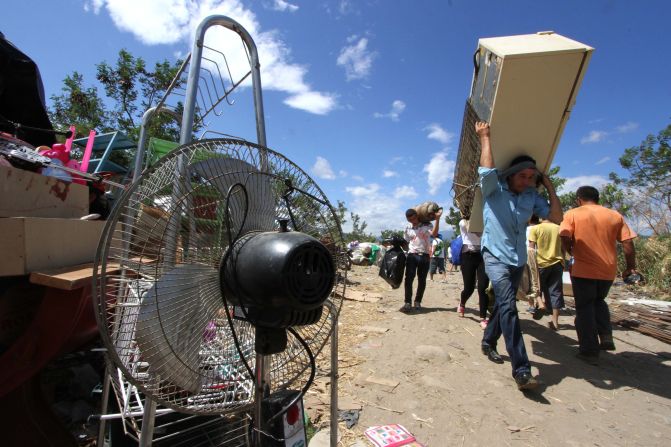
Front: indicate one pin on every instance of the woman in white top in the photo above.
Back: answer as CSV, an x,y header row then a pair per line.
x,y
472,269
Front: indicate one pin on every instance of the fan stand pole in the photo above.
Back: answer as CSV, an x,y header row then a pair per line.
x,y
334,382
262,378
148,419
103,406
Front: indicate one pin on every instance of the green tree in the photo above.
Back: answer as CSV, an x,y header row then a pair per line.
x,y
567,199
133,89
340,211
79,106
359,226
359,229
611,196
130,89
452,218
649,180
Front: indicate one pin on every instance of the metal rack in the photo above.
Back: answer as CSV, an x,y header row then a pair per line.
x,y
204,83
468,158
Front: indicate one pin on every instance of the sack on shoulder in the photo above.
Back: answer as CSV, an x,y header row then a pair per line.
x,y
426,212
393,267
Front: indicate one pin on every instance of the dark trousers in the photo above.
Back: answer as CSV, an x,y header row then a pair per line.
x,y
552,285
472,268
416,265
504,319
592,317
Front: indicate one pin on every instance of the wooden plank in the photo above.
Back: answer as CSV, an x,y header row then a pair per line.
x,y
68,278
76,276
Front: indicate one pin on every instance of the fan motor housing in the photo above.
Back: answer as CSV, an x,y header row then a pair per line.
x,y
283,278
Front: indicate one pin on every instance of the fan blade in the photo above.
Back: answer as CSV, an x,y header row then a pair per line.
x,y
259,211
172,322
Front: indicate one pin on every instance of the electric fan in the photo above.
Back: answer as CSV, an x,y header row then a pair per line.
x,y
219,277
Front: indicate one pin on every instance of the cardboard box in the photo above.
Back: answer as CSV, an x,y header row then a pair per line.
x,y
29,244
26,194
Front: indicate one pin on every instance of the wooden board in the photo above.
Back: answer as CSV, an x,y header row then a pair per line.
x,y
74,277
68,278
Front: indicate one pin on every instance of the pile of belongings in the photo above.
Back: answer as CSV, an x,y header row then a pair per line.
x,y
366,253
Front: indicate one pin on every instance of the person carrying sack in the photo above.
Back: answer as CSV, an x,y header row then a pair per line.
x,y
418,235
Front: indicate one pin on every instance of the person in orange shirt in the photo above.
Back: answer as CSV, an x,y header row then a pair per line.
x,y
589,233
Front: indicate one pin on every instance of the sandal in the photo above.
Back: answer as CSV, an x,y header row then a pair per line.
x,y
552,326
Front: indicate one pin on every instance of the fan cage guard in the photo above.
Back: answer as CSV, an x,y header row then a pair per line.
x,y
159,304
173,428
468,159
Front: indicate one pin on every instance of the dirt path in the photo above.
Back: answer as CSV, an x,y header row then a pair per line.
x,y
425,371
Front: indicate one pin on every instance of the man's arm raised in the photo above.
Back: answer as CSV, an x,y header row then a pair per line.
x,y
556,215
486,158
434,232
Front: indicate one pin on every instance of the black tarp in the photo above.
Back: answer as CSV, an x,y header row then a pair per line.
x,y
22,96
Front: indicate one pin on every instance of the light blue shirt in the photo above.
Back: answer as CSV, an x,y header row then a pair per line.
x,y
505,215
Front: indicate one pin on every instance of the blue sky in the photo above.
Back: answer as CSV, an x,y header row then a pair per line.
x,y
368,96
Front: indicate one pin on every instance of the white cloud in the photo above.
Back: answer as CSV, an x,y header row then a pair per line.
x,y
380,211
573,183
281,5
436,132
315,102
358,178
363,191
439,169
602,161
322,169
387,173
405,192
356,59
345,7
594,136
629,126
175,21
93,6
397,107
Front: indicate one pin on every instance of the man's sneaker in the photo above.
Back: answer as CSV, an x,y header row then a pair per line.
x,y
591,359
406,308
525,381
461,310
607,343
418,306
483,323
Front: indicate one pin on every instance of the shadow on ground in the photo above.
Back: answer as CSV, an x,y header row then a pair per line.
x,y
641,370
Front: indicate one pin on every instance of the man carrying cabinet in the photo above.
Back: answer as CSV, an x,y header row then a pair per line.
x,y
510,198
